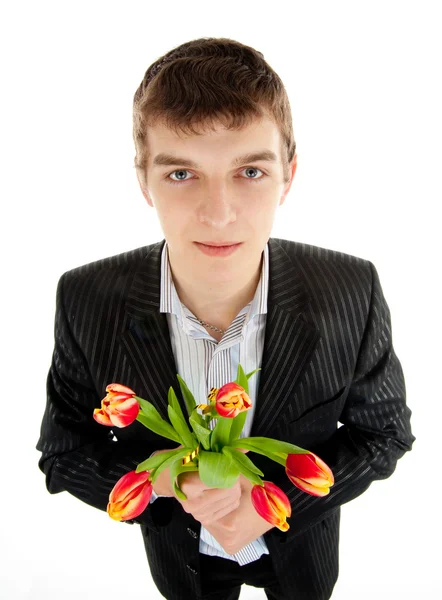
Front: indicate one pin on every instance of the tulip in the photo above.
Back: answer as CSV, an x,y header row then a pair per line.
x,y
119,408
232,399
130,496
309,473
272,504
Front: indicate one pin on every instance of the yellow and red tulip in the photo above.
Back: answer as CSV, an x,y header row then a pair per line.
x,y
232,399
119,408
130,496
309,473
272,504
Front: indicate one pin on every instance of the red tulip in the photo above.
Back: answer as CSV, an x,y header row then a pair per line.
x,y
232,399
119,408
130,496
309,473
272,504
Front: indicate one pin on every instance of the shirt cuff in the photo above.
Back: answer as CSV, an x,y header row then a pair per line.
x,y
154,496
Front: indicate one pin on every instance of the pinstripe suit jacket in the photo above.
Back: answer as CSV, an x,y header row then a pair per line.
x,y
330,382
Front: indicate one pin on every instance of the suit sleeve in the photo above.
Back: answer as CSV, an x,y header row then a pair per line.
x,y
78,454
375,429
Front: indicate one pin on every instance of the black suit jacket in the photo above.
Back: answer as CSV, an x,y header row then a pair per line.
x,y
330,382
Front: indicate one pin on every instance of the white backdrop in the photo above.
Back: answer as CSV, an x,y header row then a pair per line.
x,y
364,84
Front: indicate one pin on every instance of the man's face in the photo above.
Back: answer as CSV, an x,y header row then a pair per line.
x,y
205,195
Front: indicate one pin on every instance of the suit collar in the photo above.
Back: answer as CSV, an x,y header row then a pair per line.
x,y
289,339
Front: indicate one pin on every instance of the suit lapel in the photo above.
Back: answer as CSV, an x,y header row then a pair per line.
x,y
146,342
289,339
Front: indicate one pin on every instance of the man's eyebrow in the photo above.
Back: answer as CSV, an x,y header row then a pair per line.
x,y
166,160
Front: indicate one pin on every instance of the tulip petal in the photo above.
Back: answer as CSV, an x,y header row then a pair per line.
x,y
129,509
127,484
309,467
130,496
117,387
232,399
226,410
124,413
101,417
278,497
272,504
325,469
313,490
309,473
228,388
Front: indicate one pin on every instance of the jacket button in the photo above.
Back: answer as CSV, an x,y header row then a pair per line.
x,y
192,533
192,569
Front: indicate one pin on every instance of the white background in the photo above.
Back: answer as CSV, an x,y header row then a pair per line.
x,y
364,84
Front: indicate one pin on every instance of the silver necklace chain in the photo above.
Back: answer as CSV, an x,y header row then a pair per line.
x,y
211,326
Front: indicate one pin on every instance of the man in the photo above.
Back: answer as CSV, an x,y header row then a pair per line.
x,y
217,292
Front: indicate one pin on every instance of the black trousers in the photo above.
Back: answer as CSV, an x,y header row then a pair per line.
x,y
221,578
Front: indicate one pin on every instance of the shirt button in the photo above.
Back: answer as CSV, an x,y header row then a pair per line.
x,y
192,533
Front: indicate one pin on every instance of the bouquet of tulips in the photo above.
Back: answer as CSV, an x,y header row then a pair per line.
x,y
214,453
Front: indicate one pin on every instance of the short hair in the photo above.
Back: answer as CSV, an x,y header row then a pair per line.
x,y
207,81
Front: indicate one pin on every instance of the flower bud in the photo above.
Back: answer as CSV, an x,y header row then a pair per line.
x,y
130,496
272,504
232,399
309,473
119,408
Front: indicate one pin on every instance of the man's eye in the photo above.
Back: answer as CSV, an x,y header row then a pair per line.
x,y
254,169
181,172
182,177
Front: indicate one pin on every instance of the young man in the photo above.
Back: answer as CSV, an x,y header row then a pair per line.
x,y
215,158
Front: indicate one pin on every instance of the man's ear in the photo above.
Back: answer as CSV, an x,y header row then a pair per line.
x,y
143,186
293,166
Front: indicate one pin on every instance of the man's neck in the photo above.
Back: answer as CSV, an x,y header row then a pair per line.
x,y
216,305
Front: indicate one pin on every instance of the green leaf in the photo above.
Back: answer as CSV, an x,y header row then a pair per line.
x,y
153,421
221,433
217,470
187,395
242,458
252,373
273,449
201,430
276,446
155,461
180,427
240,419
244,464
175,471
237,426
241,379
173,401
177,456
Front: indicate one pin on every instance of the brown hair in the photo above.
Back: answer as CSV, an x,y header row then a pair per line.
x,y
205,81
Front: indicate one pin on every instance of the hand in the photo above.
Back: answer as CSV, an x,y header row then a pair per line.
x,y
203,503
163,485
240,527
207,505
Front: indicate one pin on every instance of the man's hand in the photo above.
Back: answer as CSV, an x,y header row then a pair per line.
x,y
207,505
240,527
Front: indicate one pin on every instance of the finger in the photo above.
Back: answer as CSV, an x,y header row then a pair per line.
x,y
224,495
219,514
205,508
216,515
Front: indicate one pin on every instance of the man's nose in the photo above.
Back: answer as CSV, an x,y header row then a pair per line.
x,y
216,209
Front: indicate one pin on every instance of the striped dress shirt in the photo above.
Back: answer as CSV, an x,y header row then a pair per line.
x,y
197,353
